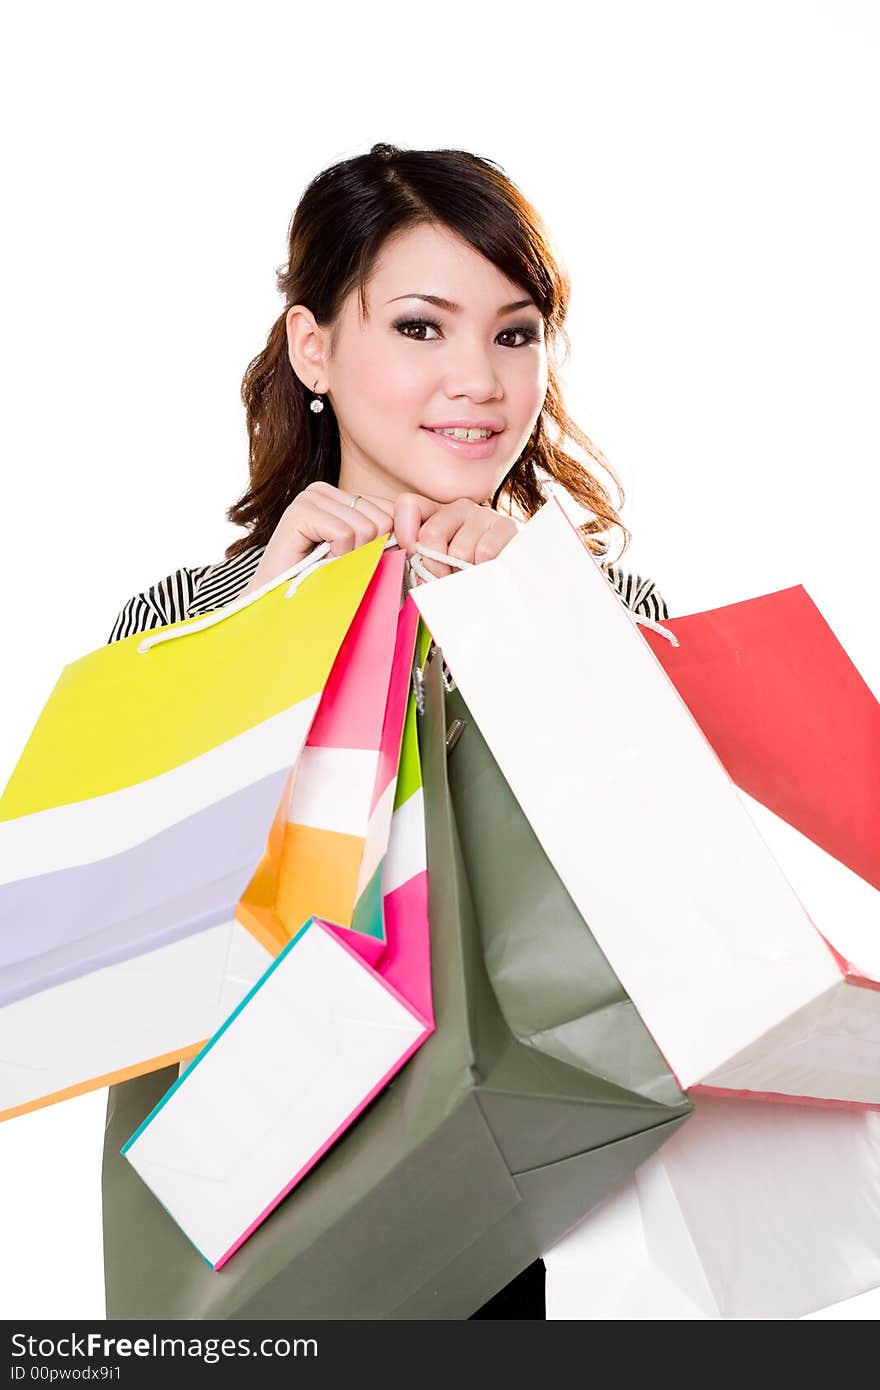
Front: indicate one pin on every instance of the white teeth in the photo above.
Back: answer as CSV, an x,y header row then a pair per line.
x,y
465,434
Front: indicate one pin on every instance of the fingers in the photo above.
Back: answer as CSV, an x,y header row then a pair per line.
x,y
346,527
381,505
482,535
453,529
322,512
329,515
386,503
381,517
470,540
379,510
316,515
411,511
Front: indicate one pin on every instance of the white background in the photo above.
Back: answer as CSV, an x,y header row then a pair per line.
x,y
708,174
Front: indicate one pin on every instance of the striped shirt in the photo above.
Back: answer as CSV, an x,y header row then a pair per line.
x,y
191,591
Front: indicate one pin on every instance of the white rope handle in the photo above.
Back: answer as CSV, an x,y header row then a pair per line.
x,y
295,574
219,615
440,557
657,627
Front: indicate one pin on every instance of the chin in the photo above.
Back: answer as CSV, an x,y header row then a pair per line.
x,y
450,489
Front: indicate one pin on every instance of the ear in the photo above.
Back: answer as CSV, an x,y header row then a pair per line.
x,y
306,346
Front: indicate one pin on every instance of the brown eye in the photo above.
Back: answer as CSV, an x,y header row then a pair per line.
x,y
403,324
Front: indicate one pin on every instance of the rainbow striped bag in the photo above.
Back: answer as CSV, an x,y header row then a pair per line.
x,y
138,813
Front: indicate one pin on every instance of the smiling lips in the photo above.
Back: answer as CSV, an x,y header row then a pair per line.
x,y
464,434
490,425
460,441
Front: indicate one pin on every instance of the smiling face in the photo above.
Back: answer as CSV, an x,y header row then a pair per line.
x,y
411,364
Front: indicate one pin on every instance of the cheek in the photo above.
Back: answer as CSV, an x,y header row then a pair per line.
x,y
390,385
532,387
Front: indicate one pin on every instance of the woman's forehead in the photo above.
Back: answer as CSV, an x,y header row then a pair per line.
x,y
431,259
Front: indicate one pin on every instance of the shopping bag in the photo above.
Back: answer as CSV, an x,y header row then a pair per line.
x,y
798,730
133,822
315,1039
507,1125
658,848
324,852
752,1211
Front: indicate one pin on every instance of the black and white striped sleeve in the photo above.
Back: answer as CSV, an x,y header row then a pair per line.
x,y
222,582
167,601
640,595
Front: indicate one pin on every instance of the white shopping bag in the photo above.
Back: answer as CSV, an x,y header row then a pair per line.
x,y
750,1211
664,857
314,1041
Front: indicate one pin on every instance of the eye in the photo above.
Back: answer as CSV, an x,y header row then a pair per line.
x,y
402,324
528,332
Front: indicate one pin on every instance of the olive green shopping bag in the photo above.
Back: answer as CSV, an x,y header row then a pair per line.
x,y
538,1093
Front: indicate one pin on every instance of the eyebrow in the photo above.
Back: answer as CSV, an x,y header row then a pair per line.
x,y
454,308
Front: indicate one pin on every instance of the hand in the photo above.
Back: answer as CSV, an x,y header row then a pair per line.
x,y
321,512
463,529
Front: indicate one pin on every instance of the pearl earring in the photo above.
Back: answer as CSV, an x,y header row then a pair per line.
x,y
317,404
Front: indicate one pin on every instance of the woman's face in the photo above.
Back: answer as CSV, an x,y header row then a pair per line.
x,y
389,382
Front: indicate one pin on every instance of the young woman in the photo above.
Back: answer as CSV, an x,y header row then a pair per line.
x,y
409,386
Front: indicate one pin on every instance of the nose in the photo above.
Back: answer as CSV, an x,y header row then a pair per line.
x,y
474,373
